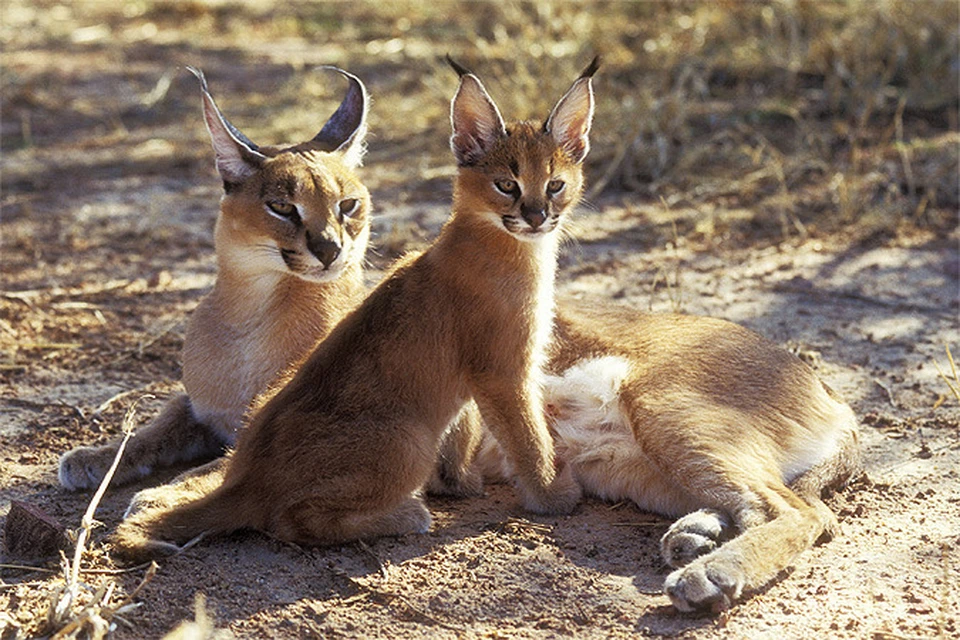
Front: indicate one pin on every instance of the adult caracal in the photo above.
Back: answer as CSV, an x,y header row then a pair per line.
x,y
290,242
699,418
343,450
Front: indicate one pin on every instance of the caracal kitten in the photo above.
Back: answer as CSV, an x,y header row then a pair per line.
x,y
344,449
290,243
700,418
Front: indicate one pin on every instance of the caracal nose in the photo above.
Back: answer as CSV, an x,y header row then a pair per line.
x,y
534,217
324,249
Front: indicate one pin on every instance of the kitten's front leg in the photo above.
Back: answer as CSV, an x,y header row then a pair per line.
x,y
517,420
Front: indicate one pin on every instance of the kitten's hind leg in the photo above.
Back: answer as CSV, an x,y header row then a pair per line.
x,y
311,525
173,436
694,535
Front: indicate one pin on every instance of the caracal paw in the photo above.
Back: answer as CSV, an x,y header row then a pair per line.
x,y
559,497
466,484
694,535
711,583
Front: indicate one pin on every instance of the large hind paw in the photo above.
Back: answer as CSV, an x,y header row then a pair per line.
x,y
695,534
711,583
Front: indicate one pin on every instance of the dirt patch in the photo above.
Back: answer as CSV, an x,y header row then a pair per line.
x,y
109,197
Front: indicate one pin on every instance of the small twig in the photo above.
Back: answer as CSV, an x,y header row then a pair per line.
x,y
24,567
366,548
87,523
14,585
889,391
954,385
106,404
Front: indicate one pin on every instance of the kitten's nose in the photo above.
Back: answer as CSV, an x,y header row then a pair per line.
x,y
324,249
534,216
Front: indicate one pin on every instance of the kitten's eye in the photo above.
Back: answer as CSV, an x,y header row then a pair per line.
x,y
555,186
348,206
284,209
506,187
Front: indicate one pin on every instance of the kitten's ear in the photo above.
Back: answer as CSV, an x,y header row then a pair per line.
x,y
237,157
476,120
346,129
569,123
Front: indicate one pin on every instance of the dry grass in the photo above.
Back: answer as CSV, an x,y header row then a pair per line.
x,y
814,115
953,380
769,120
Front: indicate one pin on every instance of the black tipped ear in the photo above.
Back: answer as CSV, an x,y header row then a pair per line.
x,y
591,68
570,121
459,68
346,129
237,157
477,124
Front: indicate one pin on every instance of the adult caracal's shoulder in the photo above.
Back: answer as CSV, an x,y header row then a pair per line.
x,y
290,243
344,449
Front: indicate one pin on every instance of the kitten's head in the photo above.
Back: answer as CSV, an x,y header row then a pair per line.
x,y
298,210
521,177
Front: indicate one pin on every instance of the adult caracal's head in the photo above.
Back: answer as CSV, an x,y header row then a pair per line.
x,y
520,177
297,210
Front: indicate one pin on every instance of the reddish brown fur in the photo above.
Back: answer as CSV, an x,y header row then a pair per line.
x,y
343,450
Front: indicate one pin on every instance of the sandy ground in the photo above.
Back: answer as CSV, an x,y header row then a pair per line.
x,y
872,315
107,246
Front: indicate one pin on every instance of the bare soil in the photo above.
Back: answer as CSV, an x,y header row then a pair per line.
x,y
108,208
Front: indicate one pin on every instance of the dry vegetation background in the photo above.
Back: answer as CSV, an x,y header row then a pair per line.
x,y
790,165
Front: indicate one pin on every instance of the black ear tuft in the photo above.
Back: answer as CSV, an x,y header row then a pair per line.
x,y
239,135
237,157
459,68
591,69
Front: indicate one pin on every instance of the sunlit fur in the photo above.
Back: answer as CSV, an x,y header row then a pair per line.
x,y
701,418
273,298
344,449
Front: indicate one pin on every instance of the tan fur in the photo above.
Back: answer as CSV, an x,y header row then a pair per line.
x,y
700,418
273,298
343,451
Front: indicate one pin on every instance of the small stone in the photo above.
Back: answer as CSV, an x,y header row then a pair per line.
x,y
32,534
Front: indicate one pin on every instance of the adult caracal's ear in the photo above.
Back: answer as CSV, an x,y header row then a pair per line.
x,y
569,123
237,157
476,120
347,127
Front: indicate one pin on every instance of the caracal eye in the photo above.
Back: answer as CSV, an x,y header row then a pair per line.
x,y
506,187
347,206
555,186
284,209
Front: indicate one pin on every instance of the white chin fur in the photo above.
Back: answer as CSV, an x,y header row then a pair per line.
x,y
526,235
319,274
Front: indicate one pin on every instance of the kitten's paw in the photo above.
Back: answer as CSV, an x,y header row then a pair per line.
x,y
467,484
130,545
711,583
695,534
559,497
85,467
